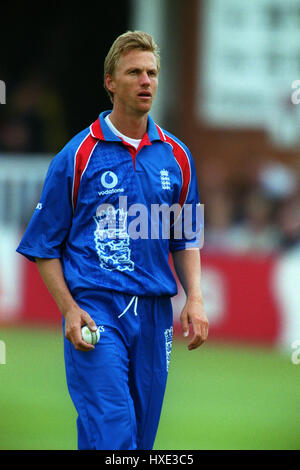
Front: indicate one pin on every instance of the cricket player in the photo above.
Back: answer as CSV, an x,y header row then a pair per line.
x,y
105,260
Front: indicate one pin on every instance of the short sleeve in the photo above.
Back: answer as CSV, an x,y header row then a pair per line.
x,y
49,226
187,231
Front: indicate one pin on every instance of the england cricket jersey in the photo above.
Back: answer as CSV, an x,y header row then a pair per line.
x,y
112,213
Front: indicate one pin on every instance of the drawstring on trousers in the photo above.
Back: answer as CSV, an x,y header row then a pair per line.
x,y
135,300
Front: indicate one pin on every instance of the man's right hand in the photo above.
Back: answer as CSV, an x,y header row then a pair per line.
x,y
74,320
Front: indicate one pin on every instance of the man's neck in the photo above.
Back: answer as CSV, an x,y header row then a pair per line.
x,y
130,125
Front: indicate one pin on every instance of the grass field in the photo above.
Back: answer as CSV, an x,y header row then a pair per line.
x,y
218,397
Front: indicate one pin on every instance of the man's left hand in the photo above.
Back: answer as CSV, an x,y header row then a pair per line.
x,y
194,313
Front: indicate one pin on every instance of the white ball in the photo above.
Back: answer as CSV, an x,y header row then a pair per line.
x,y
90,337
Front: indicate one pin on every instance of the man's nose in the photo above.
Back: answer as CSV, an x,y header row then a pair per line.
x,y
145,80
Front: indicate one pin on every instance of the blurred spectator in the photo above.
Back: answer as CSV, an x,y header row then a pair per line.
x,y
289,222
277,180
261,216
219,212
36,118
17,136
257,232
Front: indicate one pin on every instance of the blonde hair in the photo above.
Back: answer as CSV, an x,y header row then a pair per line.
x,y
126,42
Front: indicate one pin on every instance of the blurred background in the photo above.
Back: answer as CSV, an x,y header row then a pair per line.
x,y
228,88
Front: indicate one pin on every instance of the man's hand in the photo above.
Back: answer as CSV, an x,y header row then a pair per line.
x,y
52,275
74,320
194,313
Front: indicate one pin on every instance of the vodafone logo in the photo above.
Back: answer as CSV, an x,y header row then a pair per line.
x,y
109,179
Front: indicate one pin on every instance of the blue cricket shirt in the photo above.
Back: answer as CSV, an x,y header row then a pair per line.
x,y
99,211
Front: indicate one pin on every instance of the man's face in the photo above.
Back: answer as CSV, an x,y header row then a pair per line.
x,y
134,82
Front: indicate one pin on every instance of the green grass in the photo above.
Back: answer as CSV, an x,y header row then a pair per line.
x,y
229,397
217,397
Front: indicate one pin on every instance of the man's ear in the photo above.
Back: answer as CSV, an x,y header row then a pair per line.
x,y
109,83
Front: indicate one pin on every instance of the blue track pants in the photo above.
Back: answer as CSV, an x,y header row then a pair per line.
x,y
118,388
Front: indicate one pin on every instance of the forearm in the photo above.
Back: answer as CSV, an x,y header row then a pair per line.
x,y
188,269
187,264
52,275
